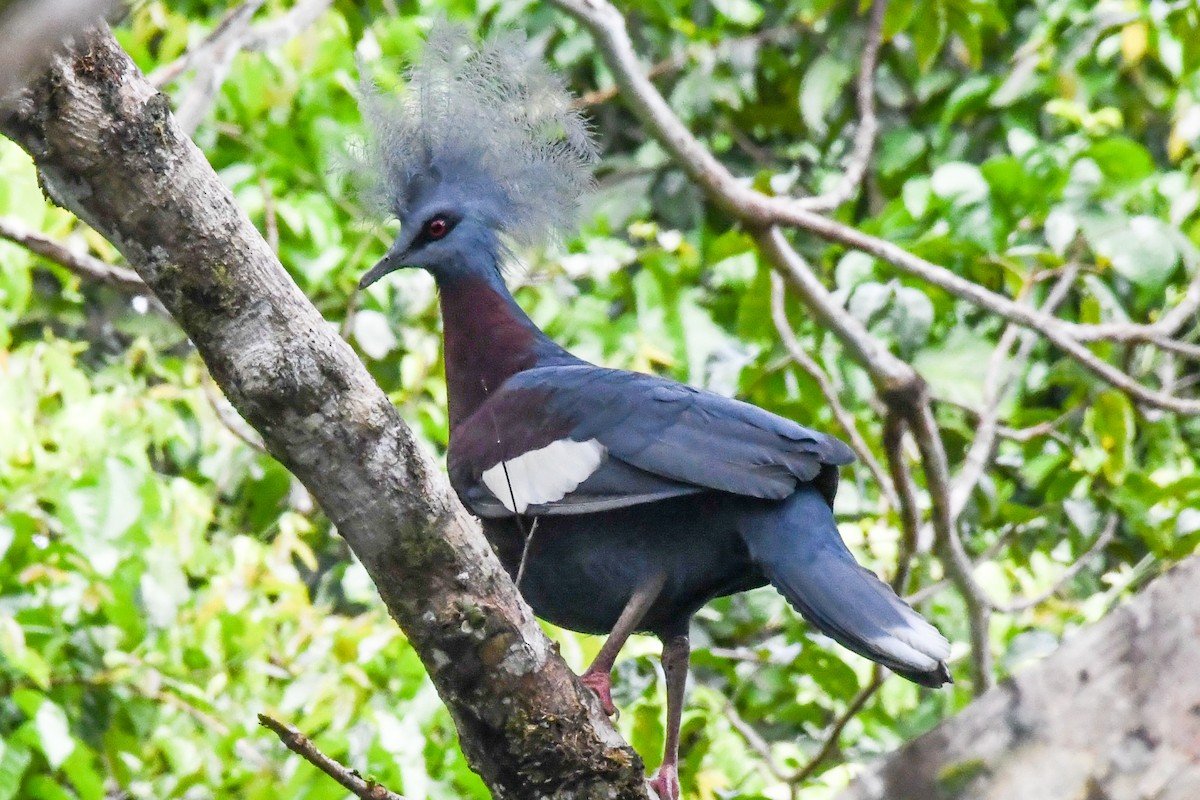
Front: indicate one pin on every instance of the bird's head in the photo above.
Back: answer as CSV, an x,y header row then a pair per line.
x,y
482,148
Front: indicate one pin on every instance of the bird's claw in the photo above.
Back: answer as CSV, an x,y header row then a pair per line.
x,y
666,783
601,684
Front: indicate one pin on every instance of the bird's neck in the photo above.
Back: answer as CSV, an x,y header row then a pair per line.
x,y
488,339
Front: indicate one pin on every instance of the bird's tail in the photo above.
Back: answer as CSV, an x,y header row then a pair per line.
x,y
797,545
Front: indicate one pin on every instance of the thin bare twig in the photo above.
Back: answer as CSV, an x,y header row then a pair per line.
x,y
679,59
596,97
1185,349
213,57
220,49
835,731
949,545
757,743
1002,373
1049,428
1102,541
272,33
828,743
228,416
256,38
926,592
868,123
840,413
302,746
906,492
84,265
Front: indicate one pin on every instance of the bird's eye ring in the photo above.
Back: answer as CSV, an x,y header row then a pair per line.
x,y
437,227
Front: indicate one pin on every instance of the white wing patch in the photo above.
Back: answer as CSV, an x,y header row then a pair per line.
x,y
544,475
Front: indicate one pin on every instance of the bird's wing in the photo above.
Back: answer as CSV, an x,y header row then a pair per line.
x,y
576,439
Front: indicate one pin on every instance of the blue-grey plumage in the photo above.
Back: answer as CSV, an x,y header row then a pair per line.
x,y
650,498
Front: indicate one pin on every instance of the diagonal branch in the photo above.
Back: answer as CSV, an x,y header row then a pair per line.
x,y
302,746
85,266
901,388
949,546
222,47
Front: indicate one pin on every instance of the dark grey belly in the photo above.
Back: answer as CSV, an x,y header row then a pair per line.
x,y
582,569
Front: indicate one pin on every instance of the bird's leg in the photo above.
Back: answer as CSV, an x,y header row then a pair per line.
x,y
675,667
598,676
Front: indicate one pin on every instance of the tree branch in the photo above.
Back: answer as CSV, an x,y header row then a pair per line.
x,y
999,380
758,210
85,266
107,148
302,746
840,413
868,122
949,546
829,741
213,57
1102,541
906,492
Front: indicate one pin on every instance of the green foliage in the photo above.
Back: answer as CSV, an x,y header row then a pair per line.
x,y
162,582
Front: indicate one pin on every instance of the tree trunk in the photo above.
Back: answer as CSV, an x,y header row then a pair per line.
x,y
1114,714
108,149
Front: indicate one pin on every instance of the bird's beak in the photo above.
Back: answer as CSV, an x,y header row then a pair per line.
x,y
389,263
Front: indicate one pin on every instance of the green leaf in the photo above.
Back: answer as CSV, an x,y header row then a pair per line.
x,y
929,32
916,194
1111,427
900,149
19,655
1060,229
54,734
14,760
1140,249
959,181
968,96
81,770
822,85
853,268
42,787
744,12
956,368
1123,161
912,319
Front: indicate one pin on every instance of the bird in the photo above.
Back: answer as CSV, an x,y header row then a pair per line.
x,y
619,502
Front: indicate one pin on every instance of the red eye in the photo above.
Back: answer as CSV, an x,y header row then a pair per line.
x,y
437,228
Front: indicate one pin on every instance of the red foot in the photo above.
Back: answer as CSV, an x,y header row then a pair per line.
x,y
666,783
601,684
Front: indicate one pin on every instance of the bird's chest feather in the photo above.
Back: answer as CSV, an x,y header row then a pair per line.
x,y
486,342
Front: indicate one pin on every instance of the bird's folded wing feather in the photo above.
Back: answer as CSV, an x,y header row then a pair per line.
x,y
577,439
